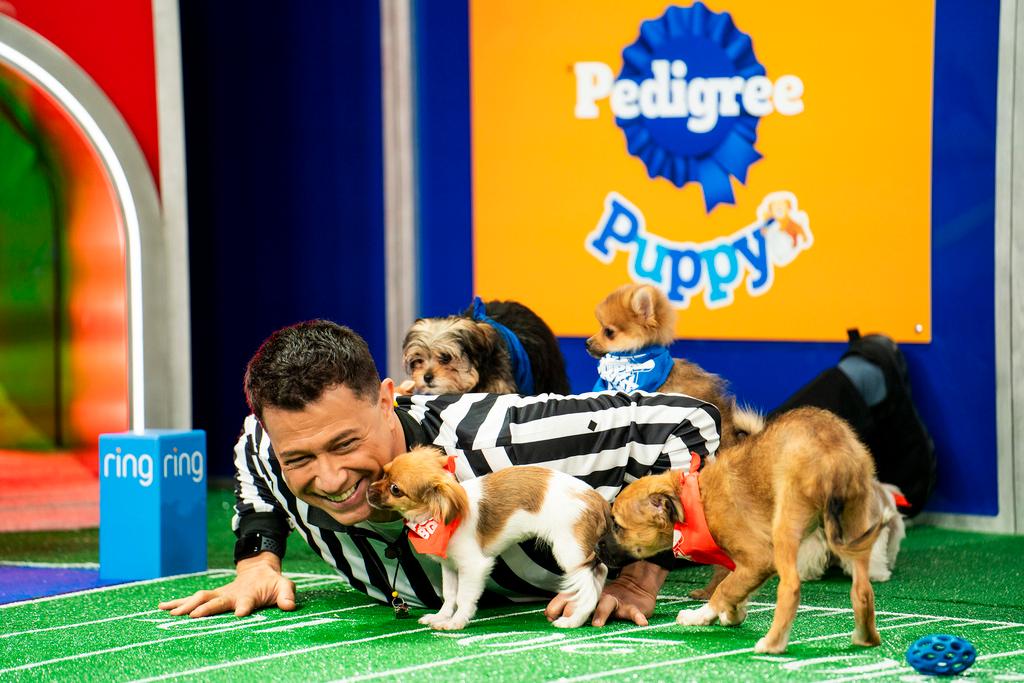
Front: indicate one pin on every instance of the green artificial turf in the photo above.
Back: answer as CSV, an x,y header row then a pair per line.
x,y
945,582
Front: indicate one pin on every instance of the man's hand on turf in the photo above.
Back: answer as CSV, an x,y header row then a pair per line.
x,y
258,583
630,597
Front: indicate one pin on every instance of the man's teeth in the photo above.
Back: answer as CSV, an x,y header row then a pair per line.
x,y
343,496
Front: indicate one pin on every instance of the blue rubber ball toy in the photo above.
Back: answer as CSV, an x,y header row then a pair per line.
x,y
941,655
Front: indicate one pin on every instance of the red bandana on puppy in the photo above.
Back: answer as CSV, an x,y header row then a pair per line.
x,y
691,538
429,536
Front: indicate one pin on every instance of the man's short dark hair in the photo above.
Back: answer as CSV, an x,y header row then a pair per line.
x,y
297,364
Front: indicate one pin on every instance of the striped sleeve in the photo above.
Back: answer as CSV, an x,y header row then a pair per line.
x,y
254,498
604,438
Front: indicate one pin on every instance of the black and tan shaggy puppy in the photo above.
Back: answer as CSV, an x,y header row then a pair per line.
x,y
499,347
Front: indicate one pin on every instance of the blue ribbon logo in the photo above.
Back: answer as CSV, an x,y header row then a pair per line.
x,y
699,94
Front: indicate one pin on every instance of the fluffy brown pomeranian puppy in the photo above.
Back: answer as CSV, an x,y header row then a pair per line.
x,y
637,327
751,508
501,347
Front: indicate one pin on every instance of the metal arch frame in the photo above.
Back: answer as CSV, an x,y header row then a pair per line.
x,y
158,397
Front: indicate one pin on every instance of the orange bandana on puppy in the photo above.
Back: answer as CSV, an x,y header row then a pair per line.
x,y
430,536
691,538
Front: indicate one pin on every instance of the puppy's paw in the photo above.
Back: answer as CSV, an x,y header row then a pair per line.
x,y
867,638
568,622
700,594
764,647
701,616
429,619
734,616
452,624
879,574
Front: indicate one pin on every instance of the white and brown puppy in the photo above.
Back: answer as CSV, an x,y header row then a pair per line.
x,y
760,499
815,557
467,353
466,525
638,318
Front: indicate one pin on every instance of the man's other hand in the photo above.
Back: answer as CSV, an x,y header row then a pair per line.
x,y
258,583
630,597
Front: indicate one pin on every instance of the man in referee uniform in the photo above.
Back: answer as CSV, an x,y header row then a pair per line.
x,y
324,425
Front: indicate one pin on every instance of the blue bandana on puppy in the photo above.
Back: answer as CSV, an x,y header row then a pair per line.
x,y
521,369
646,370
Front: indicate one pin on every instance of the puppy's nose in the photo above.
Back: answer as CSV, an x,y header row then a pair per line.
x,y
428,378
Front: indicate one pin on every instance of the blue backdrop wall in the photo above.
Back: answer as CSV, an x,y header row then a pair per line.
x,y
286,220
285,189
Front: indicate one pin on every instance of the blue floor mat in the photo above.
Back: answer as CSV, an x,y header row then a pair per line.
x,y
27,582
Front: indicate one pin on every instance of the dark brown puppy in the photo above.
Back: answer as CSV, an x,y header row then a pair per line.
x,y
761,497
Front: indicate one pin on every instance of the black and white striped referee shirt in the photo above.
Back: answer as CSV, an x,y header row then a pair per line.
x,y
606,439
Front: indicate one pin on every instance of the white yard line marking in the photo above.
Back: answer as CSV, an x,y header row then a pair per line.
x,y
889,619
846,634
525,648
997,655
515,650
77,624
774,658
654,665
305,650
130,646
127,584
729,653
301,624
50,565
893,670
1003,626
317,584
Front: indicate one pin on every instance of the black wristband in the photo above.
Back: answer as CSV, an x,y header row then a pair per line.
x,y
254,543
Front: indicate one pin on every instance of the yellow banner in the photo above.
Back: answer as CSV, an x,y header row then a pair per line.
x,y
768,166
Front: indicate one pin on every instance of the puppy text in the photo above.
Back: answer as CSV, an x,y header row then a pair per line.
x,y
717,267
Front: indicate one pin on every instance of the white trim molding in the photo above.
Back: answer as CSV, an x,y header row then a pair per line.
x,y
154,335
1009,279
171,126
398,97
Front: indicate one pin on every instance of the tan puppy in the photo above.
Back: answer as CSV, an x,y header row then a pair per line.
x,y
760,499
636,317
482,517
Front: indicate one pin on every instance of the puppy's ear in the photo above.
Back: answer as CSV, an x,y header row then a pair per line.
x,y
477,340
667,506
643,301
447,501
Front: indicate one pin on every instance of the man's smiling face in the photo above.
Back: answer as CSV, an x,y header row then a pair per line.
x,y
331,450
